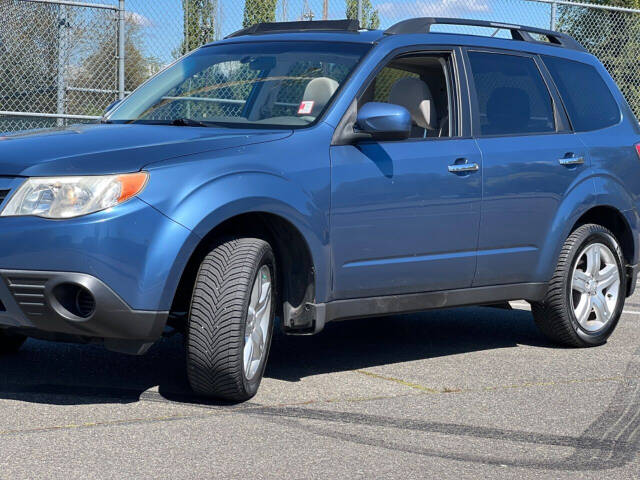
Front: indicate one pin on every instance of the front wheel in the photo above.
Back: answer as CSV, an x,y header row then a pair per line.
x,y
586,294
231,320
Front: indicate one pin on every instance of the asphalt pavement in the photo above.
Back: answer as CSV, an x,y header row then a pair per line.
x,y
459,393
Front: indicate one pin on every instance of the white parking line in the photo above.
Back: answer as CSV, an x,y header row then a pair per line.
x,y
520,305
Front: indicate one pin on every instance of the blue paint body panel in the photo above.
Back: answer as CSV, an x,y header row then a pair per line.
x,y
379,218
400,222
524,187
108,148
133,248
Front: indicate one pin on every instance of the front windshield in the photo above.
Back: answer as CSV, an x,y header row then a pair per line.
x,y
271,84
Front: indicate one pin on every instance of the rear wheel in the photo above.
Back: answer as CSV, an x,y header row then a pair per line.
x,y
587,292
10,343
231,320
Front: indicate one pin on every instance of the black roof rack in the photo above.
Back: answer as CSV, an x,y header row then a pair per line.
x,y
304,26
518,32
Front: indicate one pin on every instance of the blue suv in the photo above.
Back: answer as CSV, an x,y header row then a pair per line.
x,y
312,171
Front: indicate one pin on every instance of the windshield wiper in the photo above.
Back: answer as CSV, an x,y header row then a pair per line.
x,y
188,122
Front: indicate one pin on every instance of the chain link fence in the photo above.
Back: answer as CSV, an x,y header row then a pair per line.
x,y
65,61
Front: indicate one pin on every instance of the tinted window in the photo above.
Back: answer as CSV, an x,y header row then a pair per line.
x,y
512,95
587,98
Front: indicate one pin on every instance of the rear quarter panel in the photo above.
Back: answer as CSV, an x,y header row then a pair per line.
x,y
614,160
616,172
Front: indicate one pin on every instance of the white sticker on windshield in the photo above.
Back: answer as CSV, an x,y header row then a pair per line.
x,y
306,107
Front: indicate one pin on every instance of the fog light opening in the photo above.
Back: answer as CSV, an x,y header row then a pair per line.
x,y
75,299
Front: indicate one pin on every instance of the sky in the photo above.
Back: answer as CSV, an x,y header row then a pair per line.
x,y
162,20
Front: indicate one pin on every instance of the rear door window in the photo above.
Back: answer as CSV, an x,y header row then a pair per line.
x,y
589,102
512,97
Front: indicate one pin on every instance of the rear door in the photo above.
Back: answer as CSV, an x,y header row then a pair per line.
x,y
531,159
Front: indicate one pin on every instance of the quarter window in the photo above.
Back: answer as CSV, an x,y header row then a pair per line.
x,y
511,94
587,98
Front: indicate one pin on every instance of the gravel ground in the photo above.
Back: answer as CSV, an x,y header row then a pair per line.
x,y
460,393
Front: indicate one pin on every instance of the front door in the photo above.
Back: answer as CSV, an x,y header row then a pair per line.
x,y
400,221
405,214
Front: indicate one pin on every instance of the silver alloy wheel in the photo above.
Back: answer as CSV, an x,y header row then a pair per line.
x,y
595,287
258,323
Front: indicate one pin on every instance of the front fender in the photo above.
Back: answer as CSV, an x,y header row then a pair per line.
x,y
260,192
204,200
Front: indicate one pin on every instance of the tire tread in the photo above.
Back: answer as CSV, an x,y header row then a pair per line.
x,y
217,318
552,315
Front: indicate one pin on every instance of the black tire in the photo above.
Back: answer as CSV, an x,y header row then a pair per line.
x,y
554,316
218,316
10,343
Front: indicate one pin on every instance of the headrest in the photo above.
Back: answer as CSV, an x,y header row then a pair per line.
x,y
414,95
319,91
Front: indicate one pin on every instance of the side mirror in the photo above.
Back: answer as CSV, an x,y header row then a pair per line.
x,y
112,105
384,121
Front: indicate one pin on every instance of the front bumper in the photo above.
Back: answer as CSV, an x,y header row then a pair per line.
x,y
75,305
134,249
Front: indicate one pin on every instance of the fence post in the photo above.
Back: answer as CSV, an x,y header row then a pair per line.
x,y
554,6
63,24
121,41
360,14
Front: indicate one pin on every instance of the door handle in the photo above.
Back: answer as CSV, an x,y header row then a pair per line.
x,y
572,160
463,167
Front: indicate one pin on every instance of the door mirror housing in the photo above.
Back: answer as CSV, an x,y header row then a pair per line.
x,y
384,121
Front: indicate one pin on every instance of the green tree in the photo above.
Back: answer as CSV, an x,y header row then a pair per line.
x,y
257,11
199,24
370,16
614,37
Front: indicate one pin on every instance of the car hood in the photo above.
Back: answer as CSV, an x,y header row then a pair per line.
x,y
114,148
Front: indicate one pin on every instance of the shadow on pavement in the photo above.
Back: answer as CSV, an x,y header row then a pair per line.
x,y
68,374
370,342
64,374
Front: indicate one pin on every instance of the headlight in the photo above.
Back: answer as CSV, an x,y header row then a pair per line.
x,y
66,197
